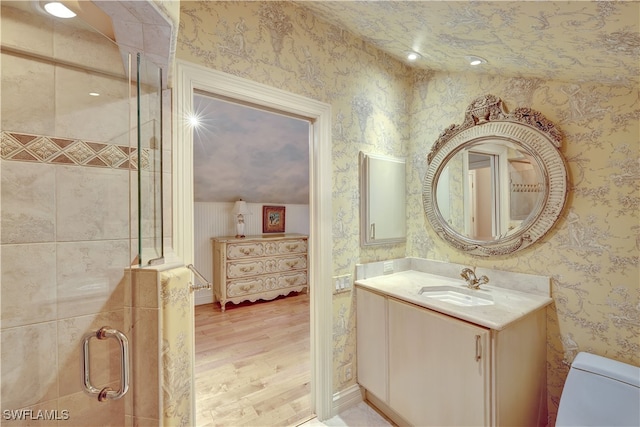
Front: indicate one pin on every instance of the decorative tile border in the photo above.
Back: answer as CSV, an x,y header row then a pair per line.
x,y
47,149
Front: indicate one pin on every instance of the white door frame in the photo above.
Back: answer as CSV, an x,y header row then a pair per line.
x,y
189,77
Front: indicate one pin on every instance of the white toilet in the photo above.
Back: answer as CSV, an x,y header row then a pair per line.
x,y
600,392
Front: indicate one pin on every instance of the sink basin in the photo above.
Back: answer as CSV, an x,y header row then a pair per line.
x,y
458,296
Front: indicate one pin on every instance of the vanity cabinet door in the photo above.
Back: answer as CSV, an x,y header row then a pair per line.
x,y
371,337
438,368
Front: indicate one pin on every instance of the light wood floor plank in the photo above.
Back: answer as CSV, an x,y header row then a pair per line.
x,y
253,363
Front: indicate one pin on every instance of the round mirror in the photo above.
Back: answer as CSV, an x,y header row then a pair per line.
x,y
497,182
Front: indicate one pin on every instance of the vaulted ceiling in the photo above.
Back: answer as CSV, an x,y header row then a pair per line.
x,y
567,40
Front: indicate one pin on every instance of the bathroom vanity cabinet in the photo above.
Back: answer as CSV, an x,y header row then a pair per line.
x,y
425,368
258,267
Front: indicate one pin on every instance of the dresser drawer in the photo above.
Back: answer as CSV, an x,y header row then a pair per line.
x,y
250,267
290,280
267,282
253,285
254,267
245,250
259,267
258,249
286,263
294,246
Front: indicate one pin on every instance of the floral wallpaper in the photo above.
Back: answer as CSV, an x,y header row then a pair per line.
x,y
282,45
177,337
592,252
381,106
554,40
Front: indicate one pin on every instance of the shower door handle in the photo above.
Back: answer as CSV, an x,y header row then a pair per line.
x,y
106,393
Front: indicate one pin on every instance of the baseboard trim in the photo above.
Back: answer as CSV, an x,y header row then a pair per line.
x,y
344,399
201,298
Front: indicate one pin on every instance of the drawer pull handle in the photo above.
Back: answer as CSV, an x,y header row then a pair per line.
x,y
246,269
478,348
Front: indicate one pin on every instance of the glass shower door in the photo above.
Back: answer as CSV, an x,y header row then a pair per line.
x,y
149,158
67,152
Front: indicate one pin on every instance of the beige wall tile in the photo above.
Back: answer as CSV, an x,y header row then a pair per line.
x,y
92,204
22,28
127,289
29,374
86,411
28,286
45,414
145,288
27,94
89,277
145,362
28,202
146,422
81,44
103,118
167,201
150,225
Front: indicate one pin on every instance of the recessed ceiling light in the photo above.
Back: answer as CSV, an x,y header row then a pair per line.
x,y
413,56
94,94
476,60
58,10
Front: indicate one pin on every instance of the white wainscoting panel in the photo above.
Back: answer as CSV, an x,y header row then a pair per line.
x,y
214,219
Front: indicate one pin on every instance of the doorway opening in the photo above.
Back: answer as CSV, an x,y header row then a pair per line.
x,y
483,186
252,359
190,78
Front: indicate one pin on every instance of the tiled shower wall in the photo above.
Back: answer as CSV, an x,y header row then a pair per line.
x,y
66,218
65,244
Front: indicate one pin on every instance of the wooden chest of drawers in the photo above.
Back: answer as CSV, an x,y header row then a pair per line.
x,y
258,267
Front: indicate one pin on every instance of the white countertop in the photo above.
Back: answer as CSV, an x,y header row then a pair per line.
x,y
509,305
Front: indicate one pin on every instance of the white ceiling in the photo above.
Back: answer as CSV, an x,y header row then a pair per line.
x,y
568,40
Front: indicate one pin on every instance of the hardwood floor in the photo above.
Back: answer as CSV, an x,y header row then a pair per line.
x,y
253,363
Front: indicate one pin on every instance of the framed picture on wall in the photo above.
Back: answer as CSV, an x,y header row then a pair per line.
x,y
273,219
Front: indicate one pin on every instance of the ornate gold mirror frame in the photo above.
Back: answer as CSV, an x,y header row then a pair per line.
x,y
486,121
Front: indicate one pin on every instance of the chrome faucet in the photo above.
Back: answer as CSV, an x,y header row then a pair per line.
x,y
473,282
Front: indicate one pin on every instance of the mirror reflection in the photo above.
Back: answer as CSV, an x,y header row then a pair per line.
x,y
497,182
487,191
